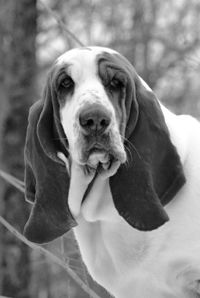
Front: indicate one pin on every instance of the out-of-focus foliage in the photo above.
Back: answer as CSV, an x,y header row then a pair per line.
x,y
160,38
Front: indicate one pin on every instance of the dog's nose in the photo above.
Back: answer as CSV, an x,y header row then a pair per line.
x,y
94,119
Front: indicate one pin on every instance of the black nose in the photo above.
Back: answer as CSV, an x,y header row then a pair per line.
x,y
94,119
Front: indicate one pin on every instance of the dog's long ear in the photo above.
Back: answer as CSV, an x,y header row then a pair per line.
x,y
154,172
46,177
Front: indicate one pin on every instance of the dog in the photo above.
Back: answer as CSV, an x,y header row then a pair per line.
x,y
105,158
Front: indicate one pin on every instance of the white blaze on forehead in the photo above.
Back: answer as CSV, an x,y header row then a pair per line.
x,y
81,64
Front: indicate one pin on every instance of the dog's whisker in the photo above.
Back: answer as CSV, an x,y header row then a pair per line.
x,y
131,145
129,156
62,138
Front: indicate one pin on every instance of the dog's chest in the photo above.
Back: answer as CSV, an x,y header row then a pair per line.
x,y
124,261
111,251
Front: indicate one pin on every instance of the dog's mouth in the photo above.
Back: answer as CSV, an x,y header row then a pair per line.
x,y
100,151
98,155
101,156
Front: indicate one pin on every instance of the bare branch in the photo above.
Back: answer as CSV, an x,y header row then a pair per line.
x,y
53,257
13,181
61,24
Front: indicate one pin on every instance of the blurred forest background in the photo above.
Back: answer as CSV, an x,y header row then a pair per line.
x,y
160,38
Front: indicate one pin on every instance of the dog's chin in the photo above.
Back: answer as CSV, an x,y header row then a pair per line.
x,y
99,157
102,159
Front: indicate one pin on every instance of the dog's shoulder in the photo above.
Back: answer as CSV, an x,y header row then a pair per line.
x,y
184,133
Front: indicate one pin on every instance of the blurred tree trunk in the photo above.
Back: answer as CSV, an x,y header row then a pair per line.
x,y
18,26
144,19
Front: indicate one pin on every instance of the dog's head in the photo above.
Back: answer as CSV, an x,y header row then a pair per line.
x,y
97,110
91,107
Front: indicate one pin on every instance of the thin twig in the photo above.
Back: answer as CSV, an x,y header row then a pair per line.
x,y
13,181
61,24
49,254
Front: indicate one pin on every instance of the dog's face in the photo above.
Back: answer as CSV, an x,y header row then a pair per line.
x,y
90,107
96,108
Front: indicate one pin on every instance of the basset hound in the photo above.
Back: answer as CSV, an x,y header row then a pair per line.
x,y
105,158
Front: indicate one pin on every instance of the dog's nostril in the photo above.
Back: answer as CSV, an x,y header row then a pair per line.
x,y
90,123
104,122
86,122
95,120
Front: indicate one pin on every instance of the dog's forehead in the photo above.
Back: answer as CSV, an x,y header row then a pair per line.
x,y
84,58
82,63
83,53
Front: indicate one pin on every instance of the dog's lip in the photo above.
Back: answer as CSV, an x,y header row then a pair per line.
x,y
97,147
97,151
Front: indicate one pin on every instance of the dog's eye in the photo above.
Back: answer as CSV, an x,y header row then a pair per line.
x,y
67,83
115,84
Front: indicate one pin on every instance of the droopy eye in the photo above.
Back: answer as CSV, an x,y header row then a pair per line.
x,y
67,83
115,84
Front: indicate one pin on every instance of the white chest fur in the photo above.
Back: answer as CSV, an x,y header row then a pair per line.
x,y
158,264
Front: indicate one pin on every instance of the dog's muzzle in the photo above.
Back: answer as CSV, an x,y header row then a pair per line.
x,y
95,123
